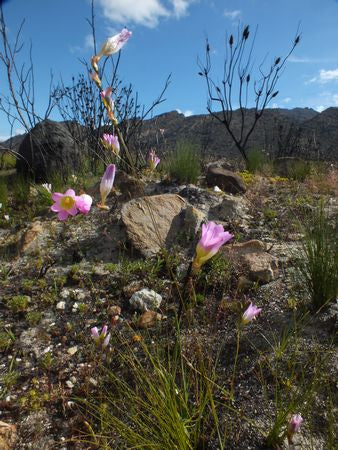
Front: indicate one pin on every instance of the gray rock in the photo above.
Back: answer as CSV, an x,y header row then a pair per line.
x,y
225,179
260,265
145,299
153,222
50,147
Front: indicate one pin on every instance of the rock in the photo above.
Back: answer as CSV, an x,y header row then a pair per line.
x,y
29,238
34,341
225,179
149,319
129,186
8,436
261,266
36,429
230,209
49,148
153,222
145,299
244,284
193,219
72,350
199,197
114,310
61,305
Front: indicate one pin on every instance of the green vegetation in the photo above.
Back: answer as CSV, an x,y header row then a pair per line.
x,y
256,161
184,164
18,303
318,267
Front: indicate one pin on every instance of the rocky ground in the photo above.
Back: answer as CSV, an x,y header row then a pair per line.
x,y
60,279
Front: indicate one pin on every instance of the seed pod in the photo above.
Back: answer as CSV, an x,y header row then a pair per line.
x,y
246,32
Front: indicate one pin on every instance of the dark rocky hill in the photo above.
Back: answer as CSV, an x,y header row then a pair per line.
x,y
299,131
284,132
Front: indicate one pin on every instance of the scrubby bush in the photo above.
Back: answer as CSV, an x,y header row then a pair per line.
x,y
184,164
299,170
257,159
318,268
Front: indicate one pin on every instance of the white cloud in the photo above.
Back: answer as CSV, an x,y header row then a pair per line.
x,y
4,138
325,76
305,59
180,7
274,105
88,44
232,15
287,100
320,108
143,12
186,113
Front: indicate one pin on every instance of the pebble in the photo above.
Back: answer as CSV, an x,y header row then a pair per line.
x,y
69,384
61,305
72,350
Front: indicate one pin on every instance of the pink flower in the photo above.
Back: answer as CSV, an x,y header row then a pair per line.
x,y
153,160
115,43
111,142
106,184
84,203
213,237
101,339
106,98
294,425
251,312
65,204
68,204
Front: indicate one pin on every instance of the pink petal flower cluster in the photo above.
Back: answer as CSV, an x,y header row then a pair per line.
x,y
102,339
111,142
213,237
153,160
115,43
69,204
106,184
250,313
294,425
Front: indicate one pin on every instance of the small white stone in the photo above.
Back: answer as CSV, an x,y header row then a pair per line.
x,y
73,379
145,299
217,189
61,305
75,307
64,293
72,350
69,384
93,381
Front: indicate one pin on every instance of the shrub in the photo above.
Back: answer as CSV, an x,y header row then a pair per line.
x,y
318,268
299,170
3,192
184,164
257,159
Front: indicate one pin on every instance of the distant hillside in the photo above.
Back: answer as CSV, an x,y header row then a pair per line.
x,y
301,131
287,131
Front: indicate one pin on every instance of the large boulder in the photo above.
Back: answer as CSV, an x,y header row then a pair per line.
x,y
158,221
49,148
225,179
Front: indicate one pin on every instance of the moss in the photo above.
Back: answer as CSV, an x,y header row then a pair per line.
x,y
47,361
18,303
33,317
27,285
6,339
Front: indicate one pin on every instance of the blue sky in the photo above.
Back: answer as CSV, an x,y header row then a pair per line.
x,y
169,36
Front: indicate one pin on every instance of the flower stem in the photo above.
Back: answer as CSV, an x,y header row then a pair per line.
x,y
235,363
